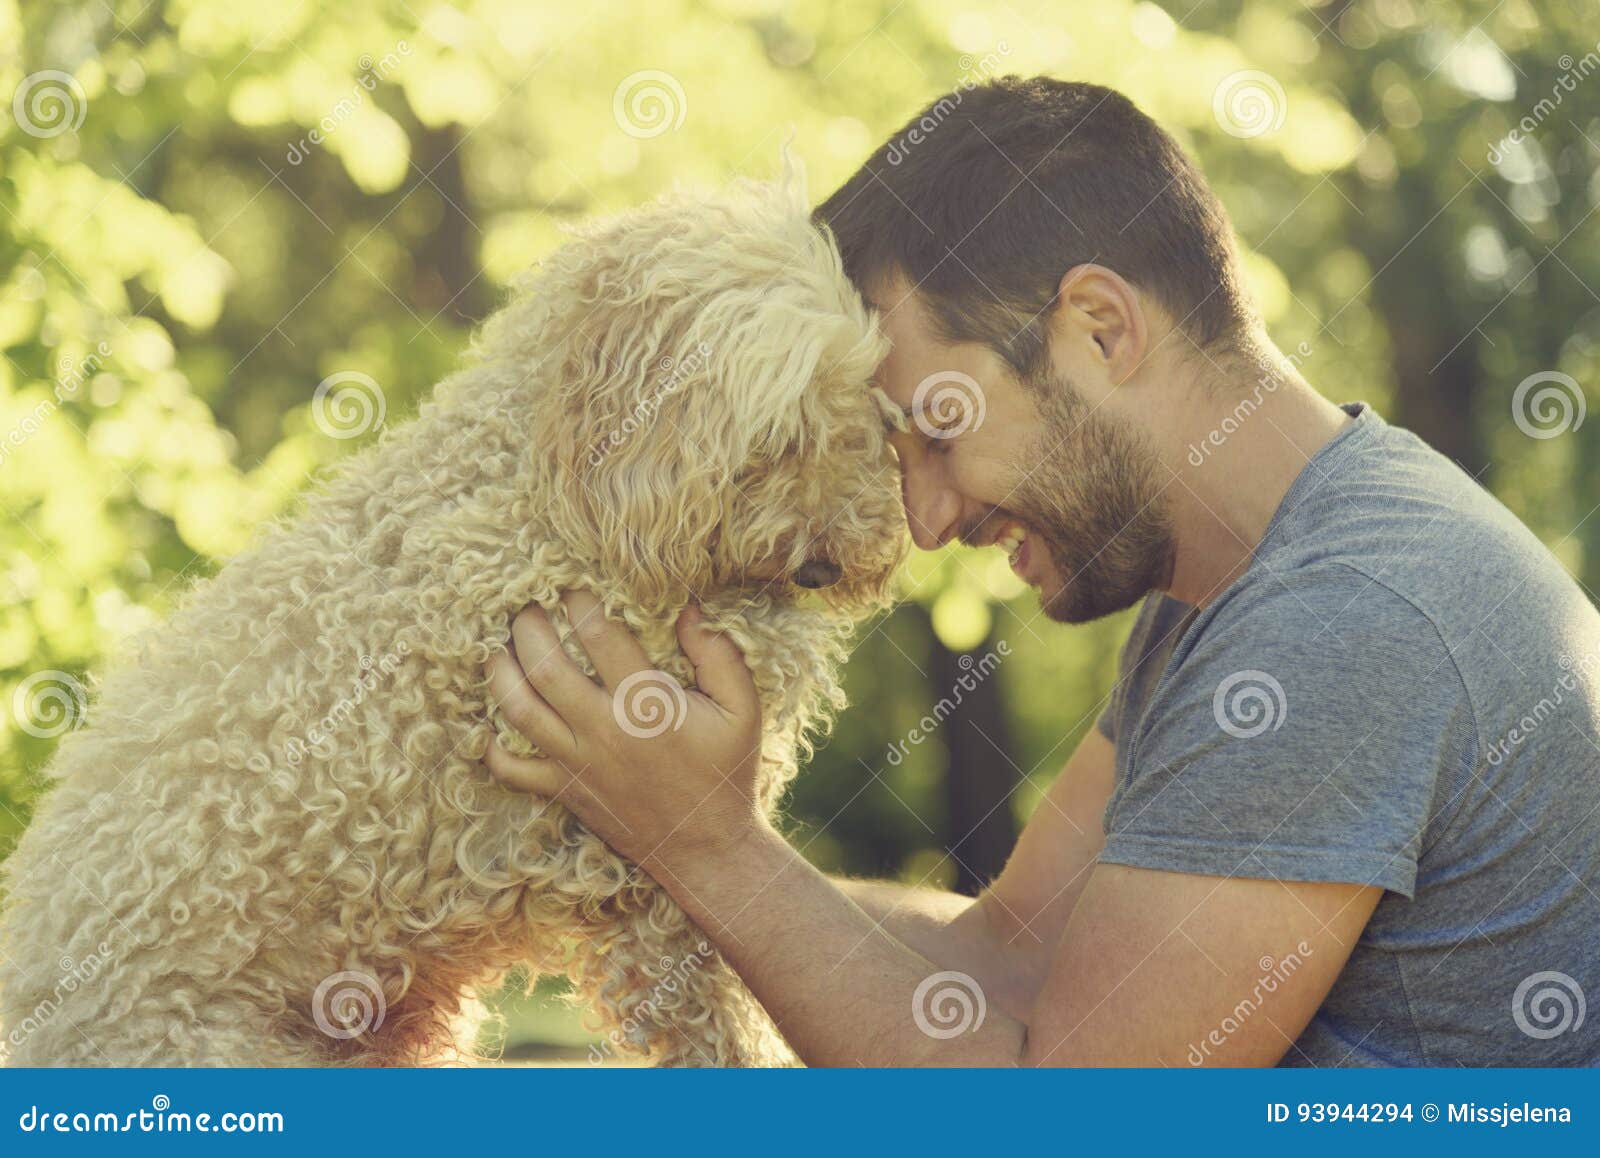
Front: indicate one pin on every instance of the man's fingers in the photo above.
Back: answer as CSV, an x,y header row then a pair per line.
x,y
524,708
540,776
719,667
611,647
555,677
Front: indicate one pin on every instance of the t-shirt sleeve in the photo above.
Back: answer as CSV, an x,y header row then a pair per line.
x,y
1300,737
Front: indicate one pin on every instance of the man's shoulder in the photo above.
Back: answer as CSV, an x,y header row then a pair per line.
x,y
1323,624
1415,525
1384,561
1330,612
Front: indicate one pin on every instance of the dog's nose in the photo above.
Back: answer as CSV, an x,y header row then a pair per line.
x,y
814,573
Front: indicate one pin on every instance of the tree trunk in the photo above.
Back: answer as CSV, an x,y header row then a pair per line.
x,y
446,282
980,828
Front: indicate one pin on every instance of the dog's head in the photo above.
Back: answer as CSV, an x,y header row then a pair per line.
x,y
710,428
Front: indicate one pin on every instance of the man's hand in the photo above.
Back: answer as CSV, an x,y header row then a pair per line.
x,y
664,775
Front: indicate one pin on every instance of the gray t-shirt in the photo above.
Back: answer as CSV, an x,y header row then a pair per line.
x,y
1402,690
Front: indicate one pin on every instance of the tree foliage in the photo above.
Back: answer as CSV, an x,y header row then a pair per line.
x,y
208,208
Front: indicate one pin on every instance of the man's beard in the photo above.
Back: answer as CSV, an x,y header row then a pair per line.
x,y
1095,498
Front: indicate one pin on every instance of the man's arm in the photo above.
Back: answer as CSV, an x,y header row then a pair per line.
x,y
1007,937
936,923
1030,902
1155,968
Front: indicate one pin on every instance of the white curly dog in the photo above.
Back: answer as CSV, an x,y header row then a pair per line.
x,y
275,840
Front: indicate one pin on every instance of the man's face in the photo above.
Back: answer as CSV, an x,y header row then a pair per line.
x,y
1070,491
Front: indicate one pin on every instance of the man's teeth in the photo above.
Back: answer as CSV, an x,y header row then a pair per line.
x,y
1011,539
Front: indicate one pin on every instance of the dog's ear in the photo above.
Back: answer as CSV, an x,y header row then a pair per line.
x,y
643,470
807,333
664,431
675,347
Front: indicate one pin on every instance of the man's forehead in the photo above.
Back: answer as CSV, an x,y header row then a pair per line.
x,y
893,301
894,390
899,319
891,290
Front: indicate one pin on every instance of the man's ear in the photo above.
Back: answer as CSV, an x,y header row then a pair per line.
x,y
1100,315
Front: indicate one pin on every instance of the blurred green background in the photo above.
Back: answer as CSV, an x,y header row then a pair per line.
x,y
208,207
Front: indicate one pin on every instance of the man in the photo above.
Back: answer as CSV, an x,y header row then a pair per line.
x,y
1344,805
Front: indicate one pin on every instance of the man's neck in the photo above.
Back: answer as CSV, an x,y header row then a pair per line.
x,y
1236,447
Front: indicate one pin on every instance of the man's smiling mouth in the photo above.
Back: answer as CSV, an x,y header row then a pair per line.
x,y
1010,534
1013,540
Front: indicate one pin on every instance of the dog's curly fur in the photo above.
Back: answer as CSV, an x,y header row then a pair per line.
x,y
674,406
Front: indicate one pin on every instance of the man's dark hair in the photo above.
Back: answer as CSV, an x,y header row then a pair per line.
x,y
990,194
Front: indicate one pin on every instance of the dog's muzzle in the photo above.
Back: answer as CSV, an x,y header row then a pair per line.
x,y
815,573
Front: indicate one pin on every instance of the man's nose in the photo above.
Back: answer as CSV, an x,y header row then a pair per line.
x,y
931,510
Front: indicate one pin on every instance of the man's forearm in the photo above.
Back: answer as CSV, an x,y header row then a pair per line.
x,y
954,932
839,986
